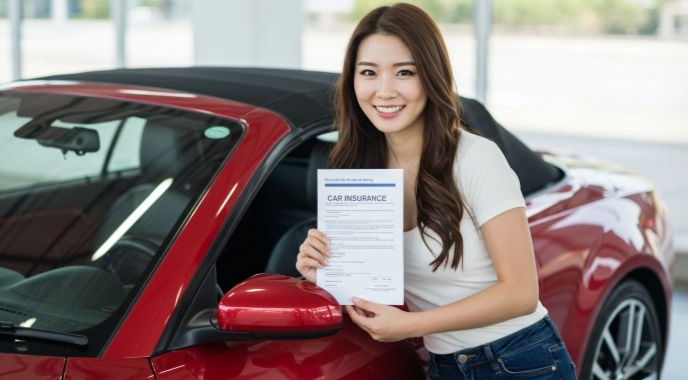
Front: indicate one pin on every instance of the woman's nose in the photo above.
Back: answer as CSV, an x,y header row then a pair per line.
x,y
386,88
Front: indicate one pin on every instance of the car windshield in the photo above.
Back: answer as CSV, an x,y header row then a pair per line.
x,y
92,192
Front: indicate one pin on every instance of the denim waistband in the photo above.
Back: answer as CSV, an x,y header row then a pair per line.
x,y
488,352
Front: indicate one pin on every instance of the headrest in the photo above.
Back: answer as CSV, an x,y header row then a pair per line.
x,y
318,160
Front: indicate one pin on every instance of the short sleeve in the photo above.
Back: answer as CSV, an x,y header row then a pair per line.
x,y
486,181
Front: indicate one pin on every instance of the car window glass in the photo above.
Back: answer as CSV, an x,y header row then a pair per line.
x,y
78,242
27,163
125,154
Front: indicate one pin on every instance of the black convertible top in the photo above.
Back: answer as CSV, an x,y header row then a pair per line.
x,y
303,99
299,96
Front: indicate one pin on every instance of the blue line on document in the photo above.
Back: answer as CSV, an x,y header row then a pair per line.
x,y
360,185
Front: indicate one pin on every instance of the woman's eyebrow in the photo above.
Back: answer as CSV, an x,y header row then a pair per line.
x,y
393,65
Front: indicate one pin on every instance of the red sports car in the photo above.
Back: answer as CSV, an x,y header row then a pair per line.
x,y
150,219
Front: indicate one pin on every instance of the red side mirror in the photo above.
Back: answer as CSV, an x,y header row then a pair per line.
x,y
272,306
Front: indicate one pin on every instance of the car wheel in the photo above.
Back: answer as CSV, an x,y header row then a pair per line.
x,y
626,342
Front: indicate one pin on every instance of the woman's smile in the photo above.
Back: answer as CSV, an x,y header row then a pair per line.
x,y
388,111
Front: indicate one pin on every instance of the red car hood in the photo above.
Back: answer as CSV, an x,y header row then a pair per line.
x,y
30,367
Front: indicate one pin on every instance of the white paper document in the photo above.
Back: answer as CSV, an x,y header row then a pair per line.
x,y
362,213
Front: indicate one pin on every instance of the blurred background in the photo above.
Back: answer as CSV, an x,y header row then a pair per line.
x,y
606,78
604,68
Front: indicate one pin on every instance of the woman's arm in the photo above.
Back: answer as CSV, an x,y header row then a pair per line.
x,y
515,294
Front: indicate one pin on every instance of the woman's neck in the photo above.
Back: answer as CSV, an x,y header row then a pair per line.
x,y
404,148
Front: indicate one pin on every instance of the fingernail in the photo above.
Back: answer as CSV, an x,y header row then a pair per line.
x,y
326,262
355,299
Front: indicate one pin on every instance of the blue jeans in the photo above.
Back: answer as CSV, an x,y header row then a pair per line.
x,y
534,352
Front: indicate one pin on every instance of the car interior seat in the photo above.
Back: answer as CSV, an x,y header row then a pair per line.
x,y
283,257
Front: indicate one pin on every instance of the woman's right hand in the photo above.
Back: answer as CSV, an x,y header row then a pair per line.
x,y
313,254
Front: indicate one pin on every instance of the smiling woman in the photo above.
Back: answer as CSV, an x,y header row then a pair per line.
x,y
469,268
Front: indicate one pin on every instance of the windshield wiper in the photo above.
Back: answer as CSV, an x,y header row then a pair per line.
x,y
8,328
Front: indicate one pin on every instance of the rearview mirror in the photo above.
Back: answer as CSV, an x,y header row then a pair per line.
x,y
77,139
272,306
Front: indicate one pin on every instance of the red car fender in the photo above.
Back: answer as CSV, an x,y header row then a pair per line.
x,y
596,290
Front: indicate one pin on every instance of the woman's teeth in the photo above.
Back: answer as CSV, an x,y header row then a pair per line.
x,y
389,109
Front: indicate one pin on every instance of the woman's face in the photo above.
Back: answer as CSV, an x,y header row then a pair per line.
x,y
387,85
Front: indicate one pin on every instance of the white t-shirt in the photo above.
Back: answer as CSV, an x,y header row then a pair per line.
x,y
489,187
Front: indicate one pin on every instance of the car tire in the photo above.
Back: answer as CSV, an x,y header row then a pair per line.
x,y
626,341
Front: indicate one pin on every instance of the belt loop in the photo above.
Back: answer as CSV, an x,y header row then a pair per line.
x,y
493,362
552,326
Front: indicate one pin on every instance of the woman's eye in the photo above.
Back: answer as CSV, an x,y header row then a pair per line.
x,y
405,73
368,73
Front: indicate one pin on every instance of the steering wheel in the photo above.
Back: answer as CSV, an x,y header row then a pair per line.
x,y
128,258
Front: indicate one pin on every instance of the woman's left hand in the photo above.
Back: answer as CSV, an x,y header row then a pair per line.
x,y
383,323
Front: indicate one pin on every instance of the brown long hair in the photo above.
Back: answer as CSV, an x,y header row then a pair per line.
x,y
362,146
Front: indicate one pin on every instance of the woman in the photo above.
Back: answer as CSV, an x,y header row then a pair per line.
x,y
469,268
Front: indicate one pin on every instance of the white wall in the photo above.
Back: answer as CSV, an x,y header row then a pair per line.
x,y
263,33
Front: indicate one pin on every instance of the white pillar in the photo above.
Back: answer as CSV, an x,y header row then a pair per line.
x,y
483,24
58,11
119,9
666,21
683,23
15,16
265,33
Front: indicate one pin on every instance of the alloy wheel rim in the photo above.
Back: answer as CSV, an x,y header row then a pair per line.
x,y
628,347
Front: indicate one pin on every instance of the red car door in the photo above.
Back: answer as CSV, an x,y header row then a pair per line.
x,y
349,354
